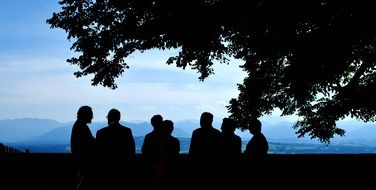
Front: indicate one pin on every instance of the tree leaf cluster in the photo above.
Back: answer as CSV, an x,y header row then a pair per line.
x,y
315,59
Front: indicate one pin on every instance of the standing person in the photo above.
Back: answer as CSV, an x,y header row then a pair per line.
x,y
205,150
151,148
231,152
206,140
173,142
232,143
115,147
257,148
148,145
169,154
162,159
82,147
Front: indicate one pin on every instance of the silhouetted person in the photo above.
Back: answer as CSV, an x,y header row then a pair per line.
x,y
151,148
82,147
169,154
231,150
115,147
205,141
148,147
257,148
163,154
232,143
205,148
173,142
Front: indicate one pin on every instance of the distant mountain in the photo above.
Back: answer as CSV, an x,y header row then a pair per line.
x,y
62,134
356,130
44,135
141,129
187,126
59,135
281,130
364,133
276,129
13,130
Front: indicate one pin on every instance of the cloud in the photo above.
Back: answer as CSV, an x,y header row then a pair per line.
x,y
155,60
37,81
47,84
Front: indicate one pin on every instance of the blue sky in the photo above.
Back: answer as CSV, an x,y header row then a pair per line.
x,y
37,82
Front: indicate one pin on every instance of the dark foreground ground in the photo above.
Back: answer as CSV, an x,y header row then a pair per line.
x,y
303,171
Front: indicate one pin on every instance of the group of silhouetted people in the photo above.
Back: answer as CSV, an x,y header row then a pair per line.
x,y
105,161
160,150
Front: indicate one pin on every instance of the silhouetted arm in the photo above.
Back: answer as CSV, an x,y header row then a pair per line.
x,y
132,144
239,145
178,146
193,145
145,146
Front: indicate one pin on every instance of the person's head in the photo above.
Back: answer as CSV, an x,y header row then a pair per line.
x,y
206,120
85,113
113,116
228,125
255,126
168,126
156,121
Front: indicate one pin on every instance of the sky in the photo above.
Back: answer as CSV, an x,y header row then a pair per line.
x,y
37,82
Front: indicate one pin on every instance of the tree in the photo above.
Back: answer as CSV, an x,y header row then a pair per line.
x,y
315,59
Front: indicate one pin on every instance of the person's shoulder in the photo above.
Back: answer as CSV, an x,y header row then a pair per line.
x,y
125,128
262,135
101,131
148,135
218,132
197,131
174,138
75,127
122,127
78,123
237,137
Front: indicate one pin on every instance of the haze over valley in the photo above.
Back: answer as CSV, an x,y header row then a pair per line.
x,y
46,135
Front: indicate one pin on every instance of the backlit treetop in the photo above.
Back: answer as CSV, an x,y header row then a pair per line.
x,y
315,59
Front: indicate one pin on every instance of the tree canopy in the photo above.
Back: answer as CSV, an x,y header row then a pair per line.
x,y
315,59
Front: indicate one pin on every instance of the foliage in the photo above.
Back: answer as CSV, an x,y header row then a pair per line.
x,y
315,59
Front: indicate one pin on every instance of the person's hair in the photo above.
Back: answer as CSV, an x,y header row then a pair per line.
x,y
228,124
114,115
206,119
156,120
84,112
255,124
169,126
